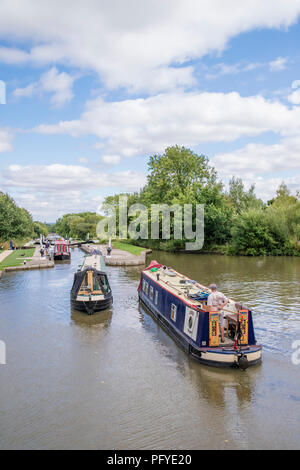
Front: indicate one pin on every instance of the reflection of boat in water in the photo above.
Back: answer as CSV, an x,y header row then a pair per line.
x,y
100,320
91,291
180,305
62,251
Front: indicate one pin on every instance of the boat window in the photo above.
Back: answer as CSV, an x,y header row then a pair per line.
x,y
156,297
144,285
151,293
93,284
97,285
173,312
85,284
105,284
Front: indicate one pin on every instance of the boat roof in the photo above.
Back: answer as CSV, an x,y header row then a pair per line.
x,y
61,242
94,261
182,286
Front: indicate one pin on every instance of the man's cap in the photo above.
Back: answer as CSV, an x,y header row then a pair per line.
x,y
213,287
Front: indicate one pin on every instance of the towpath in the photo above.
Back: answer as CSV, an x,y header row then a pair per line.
x,y
118,257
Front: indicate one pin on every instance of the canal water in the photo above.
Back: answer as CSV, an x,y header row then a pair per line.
x,y
116,380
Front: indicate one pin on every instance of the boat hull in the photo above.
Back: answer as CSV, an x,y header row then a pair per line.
x,y
90,306
216,357
62,257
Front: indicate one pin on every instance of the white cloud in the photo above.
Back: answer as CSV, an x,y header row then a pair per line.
x,y
278,64
49,191
26,91
259,159
11,55
296,84
266,188
111,159
256,162
232,69
5,140
143,126
294,97
133,44
58,84
50,178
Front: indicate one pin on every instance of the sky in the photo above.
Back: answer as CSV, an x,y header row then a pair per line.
x,y
89,89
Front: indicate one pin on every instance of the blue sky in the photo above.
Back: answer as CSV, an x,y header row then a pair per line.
x,y
94,88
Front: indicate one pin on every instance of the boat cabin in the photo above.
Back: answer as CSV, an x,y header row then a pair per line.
x,y
62,250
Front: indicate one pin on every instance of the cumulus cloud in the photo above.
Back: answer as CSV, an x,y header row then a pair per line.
x,y
259,159
58,84
49,191
254,163
133,44
143,126
50,178
294,97
266,189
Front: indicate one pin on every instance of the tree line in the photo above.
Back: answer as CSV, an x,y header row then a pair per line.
x,y
77,226
16,223
236,221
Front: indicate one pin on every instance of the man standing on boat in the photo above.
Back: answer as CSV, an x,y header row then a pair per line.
x,y
217,301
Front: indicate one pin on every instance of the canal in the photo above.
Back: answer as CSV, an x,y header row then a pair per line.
x,y
116,380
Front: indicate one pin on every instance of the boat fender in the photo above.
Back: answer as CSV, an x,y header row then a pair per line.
x,y
243,362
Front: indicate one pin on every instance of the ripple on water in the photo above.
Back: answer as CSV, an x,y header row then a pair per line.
x,y
117,380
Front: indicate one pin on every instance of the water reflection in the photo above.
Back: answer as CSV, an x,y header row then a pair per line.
x,y
210,383
81,319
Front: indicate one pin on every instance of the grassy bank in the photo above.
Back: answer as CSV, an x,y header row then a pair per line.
x,y
133,249
12,259
16,242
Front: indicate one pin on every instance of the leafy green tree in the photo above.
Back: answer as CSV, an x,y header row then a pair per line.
x,y
15,222
240,198
77,225
40,229
177,175
251,234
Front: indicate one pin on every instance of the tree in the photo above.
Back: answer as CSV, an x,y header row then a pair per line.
x,y
251,234
40,229
176,175
15,222
240,198
77,225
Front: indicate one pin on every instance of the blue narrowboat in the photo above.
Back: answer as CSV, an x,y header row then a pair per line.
x,y
180,305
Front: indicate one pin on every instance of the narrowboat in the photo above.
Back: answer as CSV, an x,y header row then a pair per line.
x,y
180,305
91,291
61,251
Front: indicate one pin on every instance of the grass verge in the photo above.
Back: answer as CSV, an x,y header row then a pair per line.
x,y
11,260
133,249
